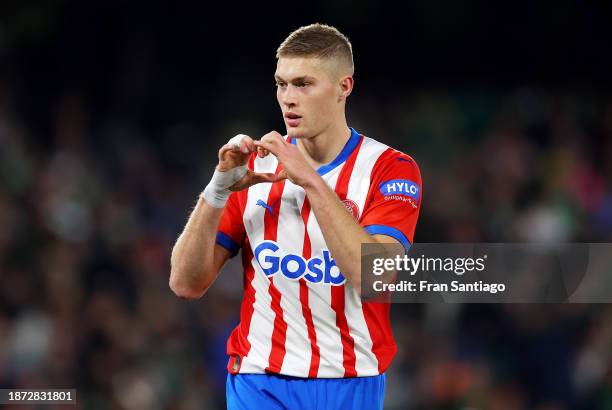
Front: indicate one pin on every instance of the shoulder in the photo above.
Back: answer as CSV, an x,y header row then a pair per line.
x,y
395,177
390,161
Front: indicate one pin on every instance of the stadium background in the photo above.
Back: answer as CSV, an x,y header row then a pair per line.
x,y
111,115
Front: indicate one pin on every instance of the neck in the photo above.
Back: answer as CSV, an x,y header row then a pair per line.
x,y
325,146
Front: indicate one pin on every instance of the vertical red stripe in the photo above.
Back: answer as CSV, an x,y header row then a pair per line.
x,y
238,344
346,171
315,353
348,343
377,319
337,292
279,334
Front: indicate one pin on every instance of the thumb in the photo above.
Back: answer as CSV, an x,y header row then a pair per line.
x,y
257,178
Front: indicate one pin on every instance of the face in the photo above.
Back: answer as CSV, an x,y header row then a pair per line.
x,y
308,92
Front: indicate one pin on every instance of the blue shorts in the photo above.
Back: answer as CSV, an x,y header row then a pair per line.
x,y
271,392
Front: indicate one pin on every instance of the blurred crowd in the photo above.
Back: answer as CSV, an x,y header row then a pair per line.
x,y
90,210
111,115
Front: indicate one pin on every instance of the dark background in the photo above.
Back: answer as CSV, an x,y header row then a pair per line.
x,y
111,114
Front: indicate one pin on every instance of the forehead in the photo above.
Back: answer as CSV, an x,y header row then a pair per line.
x,y
294,67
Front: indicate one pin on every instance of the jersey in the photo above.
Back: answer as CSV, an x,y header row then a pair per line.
x,y
299,317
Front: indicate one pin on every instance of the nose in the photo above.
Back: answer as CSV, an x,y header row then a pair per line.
x,y
287,96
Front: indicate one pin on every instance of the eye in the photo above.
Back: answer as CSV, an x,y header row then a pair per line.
x,y
280,84
303,84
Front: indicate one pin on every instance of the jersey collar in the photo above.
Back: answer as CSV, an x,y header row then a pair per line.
x,y
348,149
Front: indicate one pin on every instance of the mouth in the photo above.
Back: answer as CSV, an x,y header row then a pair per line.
x,y
292,119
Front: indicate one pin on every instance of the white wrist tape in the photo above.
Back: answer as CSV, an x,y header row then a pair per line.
x,y
217,191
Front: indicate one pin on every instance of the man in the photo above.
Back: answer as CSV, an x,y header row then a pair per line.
x,y
300,207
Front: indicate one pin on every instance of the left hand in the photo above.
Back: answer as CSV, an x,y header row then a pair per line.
x,y
295,167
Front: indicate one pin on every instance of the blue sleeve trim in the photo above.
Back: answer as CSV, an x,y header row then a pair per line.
x,y
389,231
228,243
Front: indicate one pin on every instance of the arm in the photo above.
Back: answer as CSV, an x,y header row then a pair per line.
x,y
343,235
196,258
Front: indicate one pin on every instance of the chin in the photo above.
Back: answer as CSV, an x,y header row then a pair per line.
x,y
296,132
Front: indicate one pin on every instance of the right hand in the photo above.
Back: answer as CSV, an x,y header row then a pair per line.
x,y
234,155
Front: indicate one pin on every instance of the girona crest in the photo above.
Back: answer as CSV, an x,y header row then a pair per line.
x,y
352,207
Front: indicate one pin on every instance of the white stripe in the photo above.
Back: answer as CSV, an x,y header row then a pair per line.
x,y
359,184
262,320
297,344
366,363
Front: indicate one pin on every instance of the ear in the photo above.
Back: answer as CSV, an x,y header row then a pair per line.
x,y
345,87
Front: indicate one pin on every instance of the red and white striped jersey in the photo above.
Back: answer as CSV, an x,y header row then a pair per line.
x,y
299,316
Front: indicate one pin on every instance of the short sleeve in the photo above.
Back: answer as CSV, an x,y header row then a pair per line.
x,y
231,233
394,198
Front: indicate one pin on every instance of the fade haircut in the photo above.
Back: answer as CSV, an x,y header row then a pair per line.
x,y
320,41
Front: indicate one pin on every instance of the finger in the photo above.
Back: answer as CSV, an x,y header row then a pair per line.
x,y
273,136
243,147
257,178
246,145
268,145
224,149
235,141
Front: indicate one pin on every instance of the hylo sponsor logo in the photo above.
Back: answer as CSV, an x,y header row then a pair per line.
x,y
400,187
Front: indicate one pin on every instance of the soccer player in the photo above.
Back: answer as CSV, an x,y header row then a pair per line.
x,y
299,207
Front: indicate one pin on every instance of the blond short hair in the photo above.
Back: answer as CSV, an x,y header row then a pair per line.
x,y
320,41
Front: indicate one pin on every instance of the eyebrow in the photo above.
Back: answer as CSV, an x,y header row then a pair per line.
x,y
296,79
